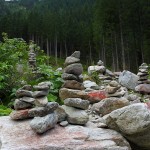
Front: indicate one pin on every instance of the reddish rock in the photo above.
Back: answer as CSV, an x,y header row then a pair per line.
x,y
20,114
18,135
96,96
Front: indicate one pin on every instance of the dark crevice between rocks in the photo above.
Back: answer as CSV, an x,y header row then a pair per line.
x,y
135,147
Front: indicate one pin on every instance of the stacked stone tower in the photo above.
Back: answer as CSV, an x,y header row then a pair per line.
x,y
71,91
143,74
35,105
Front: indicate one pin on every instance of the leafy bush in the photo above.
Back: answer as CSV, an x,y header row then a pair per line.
x,y
14,70
4,111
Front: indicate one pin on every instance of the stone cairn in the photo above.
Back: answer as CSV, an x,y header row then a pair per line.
x,y
32,57
106,75
143,74
35,105
71,91
114,89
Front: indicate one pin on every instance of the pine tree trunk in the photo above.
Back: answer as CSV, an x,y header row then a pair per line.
x,y
90,52
66,51
122,42
56,49
116,49
104,51
47,49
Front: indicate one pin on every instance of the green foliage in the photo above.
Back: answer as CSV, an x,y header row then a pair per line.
x,y
15,71
4,111
95,77
13,64
48,74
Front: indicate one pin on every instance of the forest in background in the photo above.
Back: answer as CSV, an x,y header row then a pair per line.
x,y
115,31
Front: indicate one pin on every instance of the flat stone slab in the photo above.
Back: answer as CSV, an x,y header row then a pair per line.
x,y
18,135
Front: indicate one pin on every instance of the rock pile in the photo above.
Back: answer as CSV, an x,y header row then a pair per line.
x,y
44,116
43,111
114,89
71,91
23,103
32,57
143,74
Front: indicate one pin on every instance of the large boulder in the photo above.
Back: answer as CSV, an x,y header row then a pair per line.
x,y
133,122
107,105
128,79
19,136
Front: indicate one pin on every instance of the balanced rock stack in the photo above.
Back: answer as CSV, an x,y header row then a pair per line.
x,y
114,89
99,68
23,103
143,74
115,99
43,113
32,57
72,91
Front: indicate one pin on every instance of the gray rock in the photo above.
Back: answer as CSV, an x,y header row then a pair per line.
x,y
67,76
41,87
76,54
99,69
114,84
89,84
67,138
27,99
75,69
108,105
143,88
110,73
21,105
61,114
100,63
40,93
71,60
27,87
111,90
133,122
46,83
51,106
64,123
128,79
42,124
41,101
76,116
77,102
38,112
65,93
23,93
73,84
119,93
